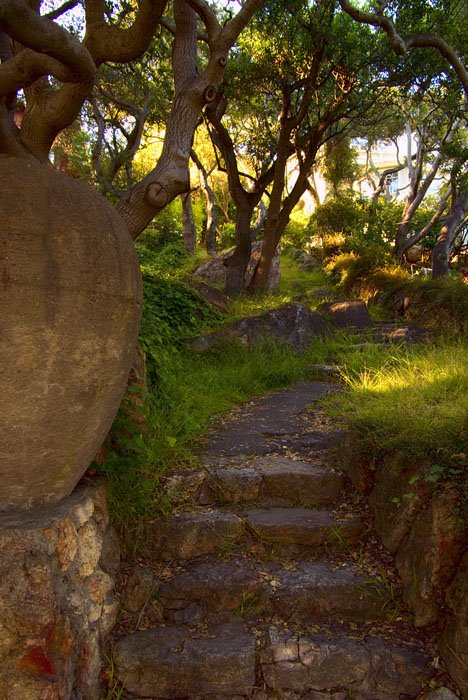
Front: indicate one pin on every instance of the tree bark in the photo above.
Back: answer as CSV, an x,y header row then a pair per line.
x,y
188,223
418,190
259,221
193,90
209,234
237,263
441,251
245,200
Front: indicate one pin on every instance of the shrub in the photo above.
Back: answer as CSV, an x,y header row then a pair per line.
x,y
297,231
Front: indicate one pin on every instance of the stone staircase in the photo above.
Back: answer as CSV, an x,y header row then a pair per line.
x,y
257,588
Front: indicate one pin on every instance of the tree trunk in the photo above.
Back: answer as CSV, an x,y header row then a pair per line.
x,y
260,280
211,222
259,221
209,233
237,263
441,252
188,224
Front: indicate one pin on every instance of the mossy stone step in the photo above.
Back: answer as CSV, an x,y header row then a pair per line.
x,y
196,534
232,661
172,662
307,590
302,526
273,479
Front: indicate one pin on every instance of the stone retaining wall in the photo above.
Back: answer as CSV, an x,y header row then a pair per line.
x,y
425,529
57,567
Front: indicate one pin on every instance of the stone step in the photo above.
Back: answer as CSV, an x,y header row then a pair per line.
x,y
172,662
272,479
231,661
365,669
306,590
302,526
196,534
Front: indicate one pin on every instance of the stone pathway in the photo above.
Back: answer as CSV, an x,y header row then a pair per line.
x,y
259,587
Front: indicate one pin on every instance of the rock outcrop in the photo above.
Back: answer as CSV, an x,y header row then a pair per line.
x,y
214,271
293,324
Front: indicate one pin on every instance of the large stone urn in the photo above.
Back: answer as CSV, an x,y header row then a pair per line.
x,y
70,300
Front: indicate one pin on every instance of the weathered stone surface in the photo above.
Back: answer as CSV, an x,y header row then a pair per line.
x,y
346,314
301,526
312,440
311,590
258,427
293,324
139,587
189,535
110,552
393,511
428,558
217,585
404,334
299,482
169,662
212,295
56,602
322,370
439,694
214,271
231,486
371,670
71,301
273,477
454,641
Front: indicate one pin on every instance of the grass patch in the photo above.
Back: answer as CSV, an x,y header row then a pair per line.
x,y
409,400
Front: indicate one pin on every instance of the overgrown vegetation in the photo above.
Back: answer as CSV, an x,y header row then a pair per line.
x,y
412,401
398,399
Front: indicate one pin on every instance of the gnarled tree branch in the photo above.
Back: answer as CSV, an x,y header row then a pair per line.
x,y
44,36
402,45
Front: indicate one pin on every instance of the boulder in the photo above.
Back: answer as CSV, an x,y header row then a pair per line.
x,y
69,319
293,324
214,271
211,295
347,314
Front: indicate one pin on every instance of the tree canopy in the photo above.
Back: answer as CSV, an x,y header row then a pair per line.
x,y
282,79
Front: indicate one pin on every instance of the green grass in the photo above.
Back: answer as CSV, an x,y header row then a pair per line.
x,y
191,390
294,284
411,400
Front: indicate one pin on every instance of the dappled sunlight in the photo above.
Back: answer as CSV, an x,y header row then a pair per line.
x,y
415,402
